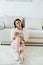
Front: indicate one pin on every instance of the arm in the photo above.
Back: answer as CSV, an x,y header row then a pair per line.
x,y
15,35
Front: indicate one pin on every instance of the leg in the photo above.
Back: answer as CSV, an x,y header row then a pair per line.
x,y
22,55
21,50
13,45
17,44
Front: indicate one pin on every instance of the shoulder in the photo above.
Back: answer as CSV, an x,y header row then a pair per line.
x,y
13,30
24,29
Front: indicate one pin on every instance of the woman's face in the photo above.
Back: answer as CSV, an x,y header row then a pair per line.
x,y
18,24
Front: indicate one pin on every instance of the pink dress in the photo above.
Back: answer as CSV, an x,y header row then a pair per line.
x,y
16,43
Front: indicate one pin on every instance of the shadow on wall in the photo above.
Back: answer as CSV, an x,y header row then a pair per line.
x,y
23,22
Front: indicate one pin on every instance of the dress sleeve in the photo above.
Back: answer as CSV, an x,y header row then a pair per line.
x,y
26,35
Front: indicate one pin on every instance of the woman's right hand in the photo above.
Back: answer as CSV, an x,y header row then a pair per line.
x,y
16,33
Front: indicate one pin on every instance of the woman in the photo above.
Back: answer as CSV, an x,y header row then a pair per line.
x,y
18,39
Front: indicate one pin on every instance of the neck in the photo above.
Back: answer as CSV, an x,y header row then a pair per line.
x,y
20,28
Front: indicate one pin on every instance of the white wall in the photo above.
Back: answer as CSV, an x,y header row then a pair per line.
x,y
28,9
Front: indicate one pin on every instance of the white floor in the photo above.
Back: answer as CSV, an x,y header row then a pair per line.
x,y
33,56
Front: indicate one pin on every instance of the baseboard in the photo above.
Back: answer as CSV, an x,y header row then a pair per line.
x,y
26,43
33,44
6,44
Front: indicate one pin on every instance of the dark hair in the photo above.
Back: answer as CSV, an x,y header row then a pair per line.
x,y
15,23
